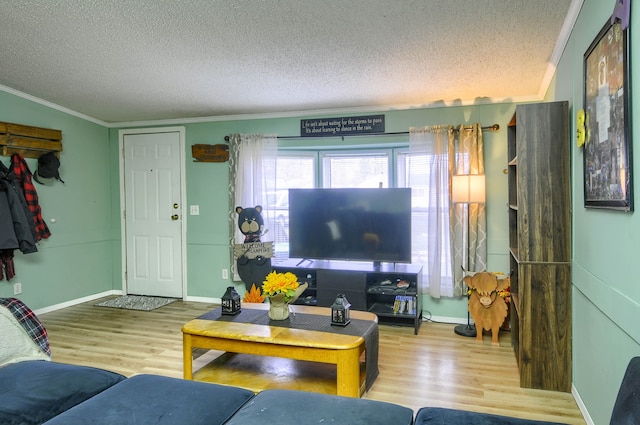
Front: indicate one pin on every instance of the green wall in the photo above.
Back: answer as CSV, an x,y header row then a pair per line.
x,y
207,185
83,256
606,296
75,262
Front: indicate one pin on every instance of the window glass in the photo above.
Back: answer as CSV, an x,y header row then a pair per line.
x,y
293,171
422,200
365,170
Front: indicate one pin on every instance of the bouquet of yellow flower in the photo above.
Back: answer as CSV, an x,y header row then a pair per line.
x,y
281,283
506,294
282,289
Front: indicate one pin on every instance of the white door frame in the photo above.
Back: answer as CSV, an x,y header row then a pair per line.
x,y
183,200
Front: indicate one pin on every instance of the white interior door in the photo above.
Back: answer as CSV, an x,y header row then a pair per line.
x,y
153,225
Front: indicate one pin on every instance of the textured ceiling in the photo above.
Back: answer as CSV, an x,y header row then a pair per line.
x,y
141,60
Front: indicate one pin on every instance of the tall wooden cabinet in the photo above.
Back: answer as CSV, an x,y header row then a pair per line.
x,y
540,244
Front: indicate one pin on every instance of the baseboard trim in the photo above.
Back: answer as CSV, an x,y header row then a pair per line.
x,y
207,300
65,304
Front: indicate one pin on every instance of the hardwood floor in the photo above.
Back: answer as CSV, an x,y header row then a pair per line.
x,y
435,368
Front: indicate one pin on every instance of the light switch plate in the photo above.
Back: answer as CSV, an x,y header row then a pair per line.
x,y
194,209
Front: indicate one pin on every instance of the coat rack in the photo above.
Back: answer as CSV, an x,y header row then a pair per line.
x,y
30,142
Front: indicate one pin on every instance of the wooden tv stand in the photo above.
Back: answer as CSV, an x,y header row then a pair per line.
x,y
367,287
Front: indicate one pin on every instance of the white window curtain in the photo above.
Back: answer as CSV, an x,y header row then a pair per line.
x,y
429,171
252,174
451,236
469,230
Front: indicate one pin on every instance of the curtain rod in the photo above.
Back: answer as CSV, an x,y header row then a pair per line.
x,y
494,127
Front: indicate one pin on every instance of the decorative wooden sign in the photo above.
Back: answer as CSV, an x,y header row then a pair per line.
x,y
210,153
28,141
254,249
345,126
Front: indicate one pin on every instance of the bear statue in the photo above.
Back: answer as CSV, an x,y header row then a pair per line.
x,y
250,223
251,269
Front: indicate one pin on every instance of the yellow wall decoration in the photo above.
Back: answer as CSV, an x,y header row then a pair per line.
x,y
581,132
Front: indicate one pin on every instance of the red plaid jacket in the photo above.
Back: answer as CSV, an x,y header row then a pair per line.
x,y
23,176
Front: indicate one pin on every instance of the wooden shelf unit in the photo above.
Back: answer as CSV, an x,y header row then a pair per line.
x,y
540,243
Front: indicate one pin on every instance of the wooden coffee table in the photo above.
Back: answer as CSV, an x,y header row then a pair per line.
x,y
342,350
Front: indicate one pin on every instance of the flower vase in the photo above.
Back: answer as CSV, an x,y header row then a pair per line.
x,y
278,308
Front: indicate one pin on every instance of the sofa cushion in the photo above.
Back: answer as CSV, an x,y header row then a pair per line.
x,y
35,391
151,399
441,416
285,407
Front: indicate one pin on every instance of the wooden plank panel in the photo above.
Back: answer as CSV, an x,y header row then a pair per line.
x,y
26,153
545,327
29,131
28,141
544,182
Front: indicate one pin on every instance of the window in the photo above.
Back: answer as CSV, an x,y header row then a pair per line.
x,y
293,170
423,211
364,168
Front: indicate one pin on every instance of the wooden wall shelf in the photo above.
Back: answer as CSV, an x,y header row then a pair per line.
x,y
30,142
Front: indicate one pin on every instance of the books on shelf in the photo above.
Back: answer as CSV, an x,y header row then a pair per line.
x,y
404,304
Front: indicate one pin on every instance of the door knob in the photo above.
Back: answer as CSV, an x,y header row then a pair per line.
x,y
174,217
175,206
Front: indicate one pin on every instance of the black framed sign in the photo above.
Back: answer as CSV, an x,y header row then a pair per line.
x,y
342,126
607,148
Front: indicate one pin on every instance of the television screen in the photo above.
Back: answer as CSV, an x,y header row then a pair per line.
x,y
350,224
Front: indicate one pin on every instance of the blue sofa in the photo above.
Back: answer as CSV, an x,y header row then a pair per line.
x,y
45,392
35,390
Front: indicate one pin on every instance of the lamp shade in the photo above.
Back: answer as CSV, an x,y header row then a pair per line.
x,y
468,188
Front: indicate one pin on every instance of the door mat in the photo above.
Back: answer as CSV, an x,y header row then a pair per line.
x,y
137,302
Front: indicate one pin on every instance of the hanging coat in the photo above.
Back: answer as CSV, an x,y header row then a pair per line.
x,y
23,224
8,239
23,176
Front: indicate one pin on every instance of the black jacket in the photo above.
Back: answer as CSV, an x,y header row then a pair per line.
x,y
15,214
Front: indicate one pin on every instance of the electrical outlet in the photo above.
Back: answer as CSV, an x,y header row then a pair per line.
x,y
225,273
17,288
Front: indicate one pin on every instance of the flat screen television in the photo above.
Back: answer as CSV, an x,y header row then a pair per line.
x,y
350,224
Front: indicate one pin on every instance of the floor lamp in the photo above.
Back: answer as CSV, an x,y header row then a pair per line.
x,y
467,189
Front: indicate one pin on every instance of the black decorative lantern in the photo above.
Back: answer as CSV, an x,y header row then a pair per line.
x,y
340,311
230,302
